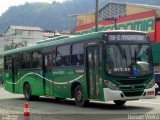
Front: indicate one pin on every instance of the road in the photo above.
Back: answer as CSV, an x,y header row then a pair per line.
x,y
12,108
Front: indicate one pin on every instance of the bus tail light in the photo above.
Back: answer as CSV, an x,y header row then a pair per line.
x,y
111,85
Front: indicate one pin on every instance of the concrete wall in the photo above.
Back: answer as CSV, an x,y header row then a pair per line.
x,y
22,37
85,19
131,10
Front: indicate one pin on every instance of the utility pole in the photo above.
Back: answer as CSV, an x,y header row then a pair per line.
x,y
96,17
115,23
69,23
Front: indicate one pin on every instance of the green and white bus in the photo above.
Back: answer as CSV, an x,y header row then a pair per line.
x,y
101,66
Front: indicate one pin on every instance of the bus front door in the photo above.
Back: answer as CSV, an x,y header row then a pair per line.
x,y
93,64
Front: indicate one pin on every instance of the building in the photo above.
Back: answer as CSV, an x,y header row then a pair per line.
x,y
1,53
23,35
67,32
124,16
20,36
50,34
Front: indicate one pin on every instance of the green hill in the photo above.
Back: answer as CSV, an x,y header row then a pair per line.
x,y
53,16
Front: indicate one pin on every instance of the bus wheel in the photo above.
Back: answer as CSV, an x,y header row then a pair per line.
x,y
119,102
79,97
27,92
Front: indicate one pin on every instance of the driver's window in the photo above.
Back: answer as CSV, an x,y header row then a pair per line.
x,y
110,59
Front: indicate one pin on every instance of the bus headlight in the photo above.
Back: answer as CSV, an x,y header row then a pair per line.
x,y
150,84
111,85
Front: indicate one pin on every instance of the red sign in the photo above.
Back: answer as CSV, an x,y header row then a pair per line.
x,y
141,22
157,31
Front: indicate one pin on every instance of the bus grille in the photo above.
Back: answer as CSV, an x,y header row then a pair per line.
x,y
131,94
132,82
132,87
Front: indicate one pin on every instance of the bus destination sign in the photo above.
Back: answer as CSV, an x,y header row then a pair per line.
x,y
123,37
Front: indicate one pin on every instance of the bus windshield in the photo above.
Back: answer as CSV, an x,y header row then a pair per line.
x,y
128,60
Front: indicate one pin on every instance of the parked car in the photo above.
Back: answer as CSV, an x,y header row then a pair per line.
x,y
157,81
156,89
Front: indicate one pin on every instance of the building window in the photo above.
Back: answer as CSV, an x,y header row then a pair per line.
x,y
77,54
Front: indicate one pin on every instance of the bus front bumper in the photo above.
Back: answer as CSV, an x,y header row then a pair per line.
x,y
119,95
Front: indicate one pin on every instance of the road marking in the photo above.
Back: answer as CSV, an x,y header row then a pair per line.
x,y
130,101
3,93
147,102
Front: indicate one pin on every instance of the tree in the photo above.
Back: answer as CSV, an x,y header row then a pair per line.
x,y
11,46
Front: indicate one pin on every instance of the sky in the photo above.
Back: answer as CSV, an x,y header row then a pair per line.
x,y
5,4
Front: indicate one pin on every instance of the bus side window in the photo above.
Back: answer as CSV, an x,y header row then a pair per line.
x,y
63,56
48,60
25,60
22,61
28,60
36,59
8,63
54,57
77,54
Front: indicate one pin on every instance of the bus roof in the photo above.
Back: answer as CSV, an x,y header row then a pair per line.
x,y
53,42
78,38
52,39
112,31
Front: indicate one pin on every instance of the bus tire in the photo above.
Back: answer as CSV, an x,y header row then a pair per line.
x,y
27,92
79,97
119,102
